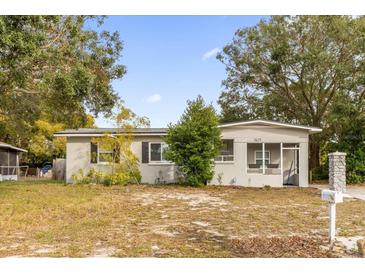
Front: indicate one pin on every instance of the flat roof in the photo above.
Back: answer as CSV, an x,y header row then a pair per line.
x,y
103,131
2,144
271,123
95,132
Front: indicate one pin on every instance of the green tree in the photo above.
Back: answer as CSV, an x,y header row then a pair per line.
x,y
194,142
292,69
57,67
348,124
43,146
123,163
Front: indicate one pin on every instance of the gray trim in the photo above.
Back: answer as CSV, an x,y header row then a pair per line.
x,y
270,123
88,132
2,144
93,131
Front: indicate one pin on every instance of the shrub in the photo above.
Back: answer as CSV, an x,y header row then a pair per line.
x,y
194,142
117,179
107,179
355,168
320,173
80,178
355,165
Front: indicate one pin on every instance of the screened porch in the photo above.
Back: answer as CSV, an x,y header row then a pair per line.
x,y
274,159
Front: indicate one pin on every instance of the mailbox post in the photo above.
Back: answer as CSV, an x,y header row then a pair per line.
x,y
332,197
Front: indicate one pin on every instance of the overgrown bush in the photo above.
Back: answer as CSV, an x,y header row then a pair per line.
x,y
107,179
320,173
348,125
355,165
194,141
355,168
123,163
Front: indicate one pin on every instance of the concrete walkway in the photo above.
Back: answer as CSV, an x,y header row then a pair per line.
x,y
357,192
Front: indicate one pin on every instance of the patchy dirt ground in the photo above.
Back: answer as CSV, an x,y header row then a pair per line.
x,y
47,219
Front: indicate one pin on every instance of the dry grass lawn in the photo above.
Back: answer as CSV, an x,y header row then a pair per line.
x,y
49,219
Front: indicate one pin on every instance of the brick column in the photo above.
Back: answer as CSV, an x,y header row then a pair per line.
x,y
337,171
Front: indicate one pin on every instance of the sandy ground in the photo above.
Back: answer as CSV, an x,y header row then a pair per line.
x,y
53,220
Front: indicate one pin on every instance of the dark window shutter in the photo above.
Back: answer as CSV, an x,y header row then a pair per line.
x,y
144,152
116,155
93,153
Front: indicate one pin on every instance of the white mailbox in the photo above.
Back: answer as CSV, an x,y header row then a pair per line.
x,y
332,196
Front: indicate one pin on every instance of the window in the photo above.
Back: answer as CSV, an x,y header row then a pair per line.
x,y
102,154
105,154
157,152
226,153
258,157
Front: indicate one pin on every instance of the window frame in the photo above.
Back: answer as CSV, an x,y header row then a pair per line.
x,y
163,145
101,151
269,158
223,156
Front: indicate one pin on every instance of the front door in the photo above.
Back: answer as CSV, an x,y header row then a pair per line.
x,y
290,166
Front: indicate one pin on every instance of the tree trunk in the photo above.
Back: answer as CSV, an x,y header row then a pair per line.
x,y
313,153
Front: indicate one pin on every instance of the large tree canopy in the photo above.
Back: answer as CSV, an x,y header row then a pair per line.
x,y
54,68
294,69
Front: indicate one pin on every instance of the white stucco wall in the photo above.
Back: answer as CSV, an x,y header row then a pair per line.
x,y
78,157
151,172
236,173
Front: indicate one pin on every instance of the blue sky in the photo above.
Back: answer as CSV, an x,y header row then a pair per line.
x,y
171,59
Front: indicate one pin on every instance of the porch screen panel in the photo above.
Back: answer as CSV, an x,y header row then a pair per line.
x,y
12,162
272,164
3,161
264,158
254,161
291,163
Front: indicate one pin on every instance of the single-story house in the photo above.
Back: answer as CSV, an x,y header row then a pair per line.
x,y
9,161
254,154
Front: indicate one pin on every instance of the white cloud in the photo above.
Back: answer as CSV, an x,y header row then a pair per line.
x,y
211,53
154,98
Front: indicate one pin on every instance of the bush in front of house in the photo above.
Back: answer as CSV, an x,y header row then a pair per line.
x,y
107,179
194,142
320,173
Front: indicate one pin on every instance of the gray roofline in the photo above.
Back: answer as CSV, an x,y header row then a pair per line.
x,y
273,123
97,132
12,147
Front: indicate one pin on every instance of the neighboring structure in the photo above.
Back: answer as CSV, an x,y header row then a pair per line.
x,y
9,161
255,153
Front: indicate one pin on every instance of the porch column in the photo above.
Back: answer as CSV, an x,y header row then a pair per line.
x,y
245,151
281,161
8,163
17,164
263,158
303,164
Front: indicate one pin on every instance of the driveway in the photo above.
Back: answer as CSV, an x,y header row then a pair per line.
x,y
354,191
